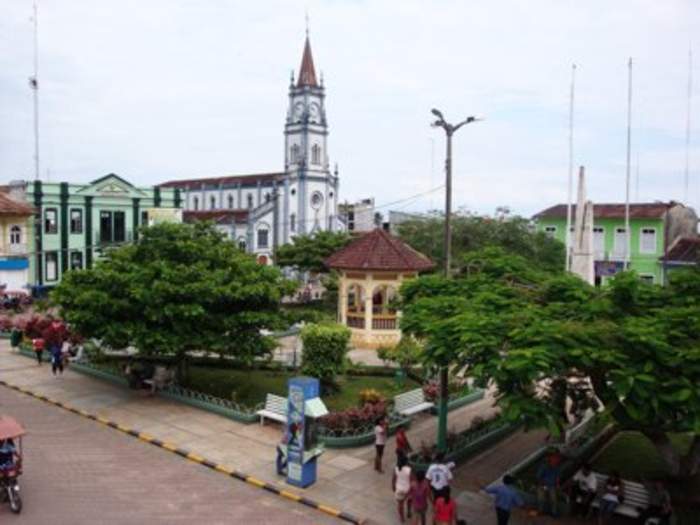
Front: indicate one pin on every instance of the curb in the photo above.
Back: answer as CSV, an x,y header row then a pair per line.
x,y
192,456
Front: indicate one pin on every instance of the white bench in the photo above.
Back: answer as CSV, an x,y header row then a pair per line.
x,y
411,402
162,377
275,408
635,501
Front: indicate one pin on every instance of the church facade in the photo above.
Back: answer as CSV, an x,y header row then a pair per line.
x,y
262,211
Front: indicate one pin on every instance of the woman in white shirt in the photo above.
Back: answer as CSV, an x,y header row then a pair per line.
x,y
401,483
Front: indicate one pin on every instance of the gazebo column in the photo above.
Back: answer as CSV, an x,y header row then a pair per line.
x,y
343,301
368,306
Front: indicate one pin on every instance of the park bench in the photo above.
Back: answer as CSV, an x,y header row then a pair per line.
x,y
635,501
162,377
275,408
411,402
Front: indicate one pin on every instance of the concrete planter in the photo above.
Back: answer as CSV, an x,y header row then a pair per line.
x,y
359,440
459,402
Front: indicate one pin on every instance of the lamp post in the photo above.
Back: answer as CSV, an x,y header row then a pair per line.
x,y
450,129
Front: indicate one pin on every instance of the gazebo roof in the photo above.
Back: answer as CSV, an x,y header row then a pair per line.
x,y
378,250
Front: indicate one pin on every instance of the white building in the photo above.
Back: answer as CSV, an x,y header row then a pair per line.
x,y
262,211
359,216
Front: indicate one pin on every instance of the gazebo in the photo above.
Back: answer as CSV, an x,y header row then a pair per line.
x,y
372,269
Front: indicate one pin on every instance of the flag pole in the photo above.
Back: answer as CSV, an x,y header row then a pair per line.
x,y
687,127
627,178
570,187
34,85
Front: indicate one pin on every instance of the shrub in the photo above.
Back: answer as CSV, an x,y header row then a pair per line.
x,y
354,419
370,396
5,323
325,346
36,325
406,353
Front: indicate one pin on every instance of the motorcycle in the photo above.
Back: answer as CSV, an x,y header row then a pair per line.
x,y
11,433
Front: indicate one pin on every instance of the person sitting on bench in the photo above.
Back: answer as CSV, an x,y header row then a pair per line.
x,y
659,503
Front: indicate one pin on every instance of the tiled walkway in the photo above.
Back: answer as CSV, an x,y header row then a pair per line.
x,y
346,479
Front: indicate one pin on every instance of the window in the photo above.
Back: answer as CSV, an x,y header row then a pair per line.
x,y
76,260
50,223
649,279
294,153
106,226
119,226
293,222
144,218
241,243
647,240
293,191
620,246
250,200
51,266
262,238
267,197
112,226
212,202
550,230
230,201
599,242
315,154
76,221
195,203
15,235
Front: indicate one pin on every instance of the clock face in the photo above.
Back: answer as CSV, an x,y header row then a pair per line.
x,y
316,200
315,113
298,111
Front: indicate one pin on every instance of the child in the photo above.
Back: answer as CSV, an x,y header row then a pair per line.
x,y
401,484
445,509
418,495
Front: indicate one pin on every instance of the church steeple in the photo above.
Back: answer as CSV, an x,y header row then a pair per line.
x,y
307,72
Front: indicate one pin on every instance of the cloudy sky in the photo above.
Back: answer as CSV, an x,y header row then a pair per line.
x,y
165,89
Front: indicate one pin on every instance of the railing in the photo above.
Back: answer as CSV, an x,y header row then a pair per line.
x,y
385,322
356,321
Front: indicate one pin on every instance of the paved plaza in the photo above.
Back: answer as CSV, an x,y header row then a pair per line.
x,y
92,466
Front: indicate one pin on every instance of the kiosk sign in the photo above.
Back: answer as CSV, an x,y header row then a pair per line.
x,y
303,408
295,433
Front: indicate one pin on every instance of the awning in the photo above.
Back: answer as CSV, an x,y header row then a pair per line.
x,y
315,408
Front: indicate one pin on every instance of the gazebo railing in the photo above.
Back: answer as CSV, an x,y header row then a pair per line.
x,y
384,322
356,320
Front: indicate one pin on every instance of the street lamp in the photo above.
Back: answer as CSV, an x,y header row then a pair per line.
x,y
449,131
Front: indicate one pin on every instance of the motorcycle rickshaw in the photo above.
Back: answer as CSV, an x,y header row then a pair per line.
x,y
11,433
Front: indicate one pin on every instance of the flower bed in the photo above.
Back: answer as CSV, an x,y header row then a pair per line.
x,y
480,435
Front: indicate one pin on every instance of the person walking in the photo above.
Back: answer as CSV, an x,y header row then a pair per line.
x,y
402,444
445,509
38,345
506,498
401,484
56,352
439,474
418,497
381,430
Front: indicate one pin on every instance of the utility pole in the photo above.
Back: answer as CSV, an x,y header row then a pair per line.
x,y
450,129
570,187
628,234
34,85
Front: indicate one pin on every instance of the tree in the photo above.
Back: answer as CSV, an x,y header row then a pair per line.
x,y
307,252
474,232
178,289
325,346
542,339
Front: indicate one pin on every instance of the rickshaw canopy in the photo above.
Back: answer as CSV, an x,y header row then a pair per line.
x,y
10,428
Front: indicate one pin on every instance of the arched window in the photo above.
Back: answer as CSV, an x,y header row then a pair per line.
x,y
263,238
15,235
230,201
212,202
315,154
383,300
294,153
356,299
293,222
241,243
195,203
250,201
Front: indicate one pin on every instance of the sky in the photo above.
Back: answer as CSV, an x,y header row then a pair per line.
x,y
165,89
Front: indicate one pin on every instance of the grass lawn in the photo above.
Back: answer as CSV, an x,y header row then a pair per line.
x,y
249,387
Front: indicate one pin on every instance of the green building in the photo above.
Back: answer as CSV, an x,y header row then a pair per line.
x,y
73,223
654,227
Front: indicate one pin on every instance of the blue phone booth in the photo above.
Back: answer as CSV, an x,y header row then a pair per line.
x,y
305,406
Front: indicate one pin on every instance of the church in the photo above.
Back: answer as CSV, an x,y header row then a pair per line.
x,y
264,210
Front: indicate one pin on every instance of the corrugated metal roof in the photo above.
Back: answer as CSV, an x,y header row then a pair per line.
x,y
644,210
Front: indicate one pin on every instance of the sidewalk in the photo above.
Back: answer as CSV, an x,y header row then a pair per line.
x,y
346,479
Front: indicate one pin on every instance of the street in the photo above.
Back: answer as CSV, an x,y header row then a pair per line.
x,y
78,472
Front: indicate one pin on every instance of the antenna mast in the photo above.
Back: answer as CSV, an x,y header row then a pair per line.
x,y
570,188
629,152
34,85
686,179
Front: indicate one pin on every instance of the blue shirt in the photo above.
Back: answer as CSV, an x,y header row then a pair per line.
x,y
506,497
